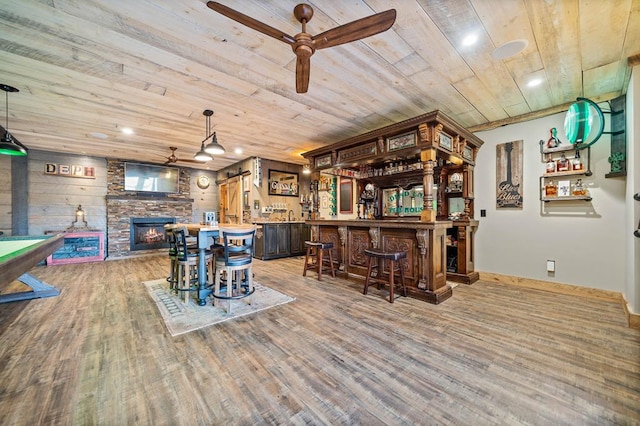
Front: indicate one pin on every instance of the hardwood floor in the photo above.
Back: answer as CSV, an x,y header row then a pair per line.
x,y
492,354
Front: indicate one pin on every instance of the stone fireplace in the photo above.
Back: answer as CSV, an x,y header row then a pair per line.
x,y
125,207
147,233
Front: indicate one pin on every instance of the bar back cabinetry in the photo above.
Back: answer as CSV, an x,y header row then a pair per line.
x,y
277,240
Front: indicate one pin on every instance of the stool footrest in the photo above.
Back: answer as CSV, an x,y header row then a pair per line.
x,y
239,296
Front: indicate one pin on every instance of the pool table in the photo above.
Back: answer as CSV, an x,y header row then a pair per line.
x,y
18,255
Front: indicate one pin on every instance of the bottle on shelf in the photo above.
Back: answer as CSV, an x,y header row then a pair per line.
x,y
551,165
553,141
562,165
551,189
576,163
578,188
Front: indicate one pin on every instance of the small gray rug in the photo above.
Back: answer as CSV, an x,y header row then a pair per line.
x,y
180,318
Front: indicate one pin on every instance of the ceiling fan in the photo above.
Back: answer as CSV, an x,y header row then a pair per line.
x,y
303,43
171,159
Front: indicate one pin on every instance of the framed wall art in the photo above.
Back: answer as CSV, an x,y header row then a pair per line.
x,y
509,175
283,183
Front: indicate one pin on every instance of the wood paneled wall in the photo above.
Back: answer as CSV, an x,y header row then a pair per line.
x,y
53,199
5,194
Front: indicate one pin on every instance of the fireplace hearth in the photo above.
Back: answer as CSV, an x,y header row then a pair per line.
x,y
147,233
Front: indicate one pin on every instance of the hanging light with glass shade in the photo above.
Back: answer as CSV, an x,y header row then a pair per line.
x,y
9,146
214,148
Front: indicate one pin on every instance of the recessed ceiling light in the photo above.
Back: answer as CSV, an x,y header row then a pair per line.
x,y
127,131
98,135
238,150
535,82
470,39
509,49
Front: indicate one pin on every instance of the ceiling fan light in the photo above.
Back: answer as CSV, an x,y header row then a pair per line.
x,y
202,155
214,148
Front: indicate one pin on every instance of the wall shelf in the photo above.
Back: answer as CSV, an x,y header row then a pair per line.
x,y
556,177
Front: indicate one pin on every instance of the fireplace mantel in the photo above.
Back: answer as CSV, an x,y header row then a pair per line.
x,y
159,197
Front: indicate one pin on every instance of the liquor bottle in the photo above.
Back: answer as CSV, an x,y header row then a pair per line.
x,y
551,165
578,188
553,140
576,163
550,189
562,165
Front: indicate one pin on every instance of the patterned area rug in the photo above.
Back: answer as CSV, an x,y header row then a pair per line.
x,y
180,318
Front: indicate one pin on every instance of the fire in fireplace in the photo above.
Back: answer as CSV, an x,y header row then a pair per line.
x,y
147,233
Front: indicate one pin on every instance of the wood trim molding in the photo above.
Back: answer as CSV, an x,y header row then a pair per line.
x,y
633,320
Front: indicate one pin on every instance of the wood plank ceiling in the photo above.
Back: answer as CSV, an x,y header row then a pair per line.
x,y
94,67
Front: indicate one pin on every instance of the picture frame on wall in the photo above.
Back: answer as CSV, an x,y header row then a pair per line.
x,y
283,183
509,172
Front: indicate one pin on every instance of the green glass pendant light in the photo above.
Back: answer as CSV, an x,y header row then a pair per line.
x,y
7,145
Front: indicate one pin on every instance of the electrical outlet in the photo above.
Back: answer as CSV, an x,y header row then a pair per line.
x,y
483,213
551,265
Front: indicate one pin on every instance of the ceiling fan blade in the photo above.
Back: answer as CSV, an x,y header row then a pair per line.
x,y
303,68
250,22
355,30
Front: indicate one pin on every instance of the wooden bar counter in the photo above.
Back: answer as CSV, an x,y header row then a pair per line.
x,y
424,243
413,179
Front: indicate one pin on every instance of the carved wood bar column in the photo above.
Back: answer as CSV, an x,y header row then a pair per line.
x,y
467,191
315,233
315,205
374,233
428,158
342,231
422,236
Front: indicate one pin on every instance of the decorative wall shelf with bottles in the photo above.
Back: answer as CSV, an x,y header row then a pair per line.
x,y
564,167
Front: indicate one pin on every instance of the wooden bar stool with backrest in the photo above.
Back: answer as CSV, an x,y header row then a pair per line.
x,y
396,265
237,263
173,250
315,250
187,263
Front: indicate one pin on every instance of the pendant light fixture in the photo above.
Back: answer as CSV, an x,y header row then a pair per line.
x,y
214,148
7,145
202,155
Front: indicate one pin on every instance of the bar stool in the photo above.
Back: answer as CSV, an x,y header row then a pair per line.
x,y
395,258
173,250
187,263
237,259
317,257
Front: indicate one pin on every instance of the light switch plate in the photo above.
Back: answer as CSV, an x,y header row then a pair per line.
x,y
551,265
